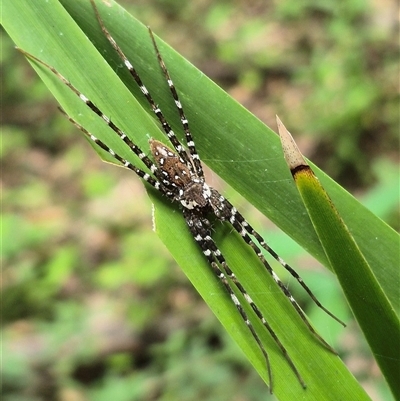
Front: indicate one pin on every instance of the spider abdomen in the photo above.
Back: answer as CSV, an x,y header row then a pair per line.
x,y
196,194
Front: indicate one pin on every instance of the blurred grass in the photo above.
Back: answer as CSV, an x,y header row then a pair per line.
x,y
69,222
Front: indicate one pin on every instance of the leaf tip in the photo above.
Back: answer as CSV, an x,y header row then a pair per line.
x,y
293,156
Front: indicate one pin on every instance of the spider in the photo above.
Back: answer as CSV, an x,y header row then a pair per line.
x,y
177,173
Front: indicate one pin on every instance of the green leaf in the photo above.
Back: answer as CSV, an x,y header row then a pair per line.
x,y
231,141
366,298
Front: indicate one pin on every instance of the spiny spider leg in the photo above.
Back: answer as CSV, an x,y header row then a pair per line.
x,y
244,224
157,111
202,236
257,251
185,123
159,173
142,156
227,212
142,174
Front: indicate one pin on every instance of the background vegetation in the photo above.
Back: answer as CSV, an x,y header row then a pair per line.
x,y
90,296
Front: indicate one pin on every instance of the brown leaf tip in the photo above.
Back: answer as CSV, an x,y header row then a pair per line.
x,y
293,156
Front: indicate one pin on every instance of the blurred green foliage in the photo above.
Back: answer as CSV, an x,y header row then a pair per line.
x,y
93,307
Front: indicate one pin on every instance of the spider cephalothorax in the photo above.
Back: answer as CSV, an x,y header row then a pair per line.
x,y
178,175
188,189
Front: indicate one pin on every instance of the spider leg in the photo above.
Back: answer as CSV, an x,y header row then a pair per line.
x,y
199,227
185,124
244,224
142,174
156,110
142,156
225,211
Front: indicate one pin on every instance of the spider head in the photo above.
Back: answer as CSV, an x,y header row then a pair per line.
x,y
171,166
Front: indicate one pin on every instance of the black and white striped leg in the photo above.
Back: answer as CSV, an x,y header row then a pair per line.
x,y
142,156
215,258
243,222
228,212
142,174
200,235
185,124
157,111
